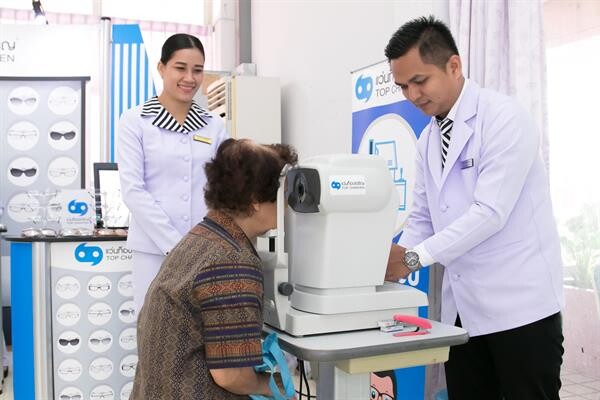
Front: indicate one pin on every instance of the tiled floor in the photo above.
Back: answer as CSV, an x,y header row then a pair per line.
x,y
7,389
576,386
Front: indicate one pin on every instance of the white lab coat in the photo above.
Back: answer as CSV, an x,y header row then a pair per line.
x,y
488,216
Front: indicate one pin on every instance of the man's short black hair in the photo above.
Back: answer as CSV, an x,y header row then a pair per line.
x,y
388,374
431,36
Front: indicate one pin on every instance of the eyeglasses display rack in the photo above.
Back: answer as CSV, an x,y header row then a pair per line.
x,y
42,137
74,320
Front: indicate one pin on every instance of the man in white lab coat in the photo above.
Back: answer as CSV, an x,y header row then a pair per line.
x,y
482,209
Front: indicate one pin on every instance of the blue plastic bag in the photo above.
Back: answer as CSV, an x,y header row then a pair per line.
x,y
273,357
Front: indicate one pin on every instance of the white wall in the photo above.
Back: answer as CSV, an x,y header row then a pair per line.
x,y
313,46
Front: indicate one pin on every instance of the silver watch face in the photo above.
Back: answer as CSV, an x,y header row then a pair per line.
x,y
411,259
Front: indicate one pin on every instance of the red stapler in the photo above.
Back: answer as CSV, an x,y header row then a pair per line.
x,y
422,324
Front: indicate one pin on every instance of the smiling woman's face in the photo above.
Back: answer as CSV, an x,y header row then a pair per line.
x,y
183,74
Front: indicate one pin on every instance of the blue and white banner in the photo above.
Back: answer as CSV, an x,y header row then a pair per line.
x,y
131,75
386,124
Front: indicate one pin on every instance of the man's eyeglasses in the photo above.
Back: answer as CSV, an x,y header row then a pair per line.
x,y
19,171
70,397
126,284
128,366
97,341
62,100
21,207
99,313
69,370
128,339
68,315
67,287
17,101
22,134
100,368
67,135
102,395
72,342
376,395
94,287
67,172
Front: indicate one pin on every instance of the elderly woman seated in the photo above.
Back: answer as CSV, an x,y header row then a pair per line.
x,y
199,332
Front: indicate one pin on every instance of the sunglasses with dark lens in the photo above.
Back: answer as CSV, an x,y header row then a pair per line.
x,y
126,312
70,397
67,135
18,172
72,342
97,341
17,101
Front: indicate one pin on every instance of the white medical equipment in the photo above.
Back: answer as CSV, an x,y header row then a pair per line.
x,y
342,211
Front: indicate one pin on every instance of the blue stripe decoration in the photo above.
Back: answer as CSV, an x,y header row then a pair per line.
x,y
22,320
241,301
211,335
234,272
126,74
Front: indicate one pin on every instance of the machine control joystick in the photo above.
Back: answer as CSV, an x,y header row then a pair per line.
x,y
285,288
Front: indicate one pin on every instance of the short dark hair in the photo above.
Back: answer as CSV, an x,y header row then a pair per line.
x,y
431,36
179,41
243,172
388,374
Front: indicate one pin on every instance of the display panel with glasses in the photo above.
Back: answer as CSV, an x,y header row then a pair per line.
x,y
110,209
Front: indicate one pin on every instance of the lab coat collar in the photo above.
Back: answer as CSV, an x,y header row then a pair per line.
x,y
197,117
461,132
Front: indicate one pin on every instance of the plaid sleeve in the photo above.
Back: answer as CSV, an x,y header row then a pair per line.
x,y
230,298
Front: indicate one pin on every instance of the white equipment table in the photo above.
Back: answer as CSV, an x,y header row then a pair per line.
x,y
345,360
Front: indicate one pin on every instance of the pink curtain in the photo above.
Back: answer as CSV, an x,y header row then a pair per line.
x,y
501,43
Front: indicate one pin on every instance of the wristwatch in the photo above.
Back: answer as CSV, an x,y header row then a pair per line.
x,y
411,260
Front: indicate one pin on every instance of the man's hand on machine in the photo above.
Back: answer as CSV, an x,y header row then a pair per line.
x,y
396,269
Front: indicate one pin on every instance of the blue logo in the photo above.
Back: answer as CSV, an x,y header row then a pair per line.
x,y
77,207
336,185
363,88
91,254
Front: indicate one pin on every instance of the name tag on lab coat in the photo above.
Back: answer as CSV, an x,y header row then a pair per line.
x,y
466,163
202,139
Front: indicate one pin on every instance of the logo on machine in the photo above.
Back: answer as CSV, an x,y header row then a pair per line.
x,y
88,254
347,185
77,207
363,88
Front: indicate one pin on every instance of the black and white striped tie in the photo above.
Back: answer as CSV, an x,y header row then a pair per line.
x,y
445,128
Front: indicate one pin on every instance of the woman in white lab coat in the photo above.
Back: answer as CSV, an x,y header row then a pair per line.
x,y
162,147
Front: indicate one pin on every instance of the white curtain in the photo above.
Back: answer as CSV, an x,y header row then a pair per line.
x,y
501,44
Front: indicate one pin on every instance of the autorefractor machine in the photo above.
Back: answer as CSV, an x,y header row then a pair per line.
x,y
338,230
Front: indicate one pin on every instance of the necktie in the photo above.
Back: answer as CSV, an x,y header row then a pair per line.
x,y
445,128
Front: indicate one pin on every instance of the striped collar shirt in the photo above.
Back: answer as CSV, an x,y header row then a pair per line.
x,y
197,117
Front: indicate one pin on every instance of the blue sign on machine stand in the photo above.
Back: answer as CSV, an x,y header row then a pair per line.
x,y
386,124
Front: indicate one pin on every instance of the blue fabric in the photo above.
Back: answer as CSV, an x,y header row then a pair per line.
x,y
272,358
